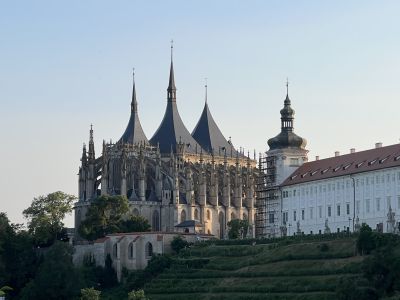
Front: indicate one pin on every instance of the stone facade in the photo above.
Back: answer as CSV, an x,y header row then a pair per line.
x,y
129,250
173,177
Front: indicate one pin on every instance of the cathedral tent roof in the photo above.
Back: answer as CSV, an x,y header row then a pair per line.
x,y
346,165
172,130
209,136
134,133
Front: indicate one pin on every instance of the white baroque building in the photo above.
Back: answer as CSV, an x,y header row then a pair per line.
x,y
328,195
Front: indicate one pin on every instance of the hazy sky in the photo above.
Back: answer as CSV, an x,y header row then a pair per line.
x,y
67,64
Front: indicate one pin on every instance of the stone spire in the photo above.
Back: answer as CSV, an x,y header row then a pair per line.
x,y
91,145
84,156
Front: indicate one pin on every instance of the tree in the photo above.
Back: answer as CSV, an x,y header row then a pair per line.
x,y
134,224
237,228
137,295
18,260
104,216
365,240
178,243
90,294
45,217
56,277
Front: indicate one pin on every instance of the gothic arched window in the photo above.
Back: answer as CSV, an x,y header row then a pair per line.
x,y
115,250
135,212
155,222
221,219
183,215
130,251
148,250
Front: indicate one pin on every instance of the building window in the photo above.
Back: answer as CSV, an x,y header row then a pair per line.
x,y
148,250
311,212
294,216
329,211
115,250
233,216
338,210
378,204
285,217
294,161
156,221
389,202
348,208
302,214
294,193
367,206
320,212
196,214
398,202
271,218
208,214
183,216
358,207
130,251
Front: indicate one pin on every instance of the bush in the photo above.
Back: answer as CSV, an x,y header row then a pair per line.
x,y
90,294
178,243
324,247
137,295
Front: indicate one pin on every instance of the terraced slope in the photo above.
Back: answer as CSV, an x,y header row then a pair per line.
x,y
309,270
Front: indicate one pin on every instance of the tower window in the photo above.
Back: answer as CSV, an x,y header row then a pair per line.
x,y
294,161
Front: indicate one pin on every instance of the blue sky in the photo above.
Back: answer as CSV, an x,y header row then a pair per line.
x,y
65,65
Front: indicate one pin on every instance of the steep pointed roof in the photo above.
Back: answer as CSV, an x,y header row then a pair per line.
x,y
208,135
134,133
172,130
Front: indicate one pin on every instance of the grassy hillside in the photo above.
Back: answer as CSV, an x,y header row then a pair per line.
x,y
301,270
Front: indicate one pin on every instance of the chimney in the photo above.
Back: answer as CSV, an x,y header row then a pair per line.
x,y
378,145
352,150
337,153
317,157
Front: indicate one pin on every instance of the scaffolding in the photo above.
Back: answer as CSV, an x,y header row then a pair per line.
x,y
267,196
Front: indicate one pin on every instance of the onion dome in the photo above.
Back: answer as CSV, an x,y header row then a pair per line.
x,y
287,138
134,133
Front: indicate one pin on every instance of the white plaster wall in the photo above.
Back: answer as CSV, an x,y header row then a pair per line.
x,y
369,186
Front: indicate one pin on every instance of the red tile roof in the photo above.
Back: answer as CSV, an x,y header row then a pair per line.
x,y
348,164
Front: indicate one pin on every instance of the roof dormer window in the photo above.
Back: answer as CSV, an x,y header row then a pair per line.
x,y
346,166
